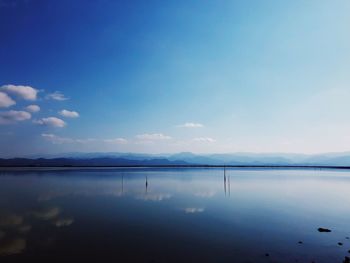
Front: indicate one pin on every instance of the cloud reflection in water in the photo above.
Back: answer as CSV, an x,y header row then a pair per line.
x,y
14,228
192,210
47,213
12,246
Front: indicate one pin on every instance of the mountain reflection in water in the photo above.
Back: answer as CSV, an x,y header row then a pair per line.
x,y
174,215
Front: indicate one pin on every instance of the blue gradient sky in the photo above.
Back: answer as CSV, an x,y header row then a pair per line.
x,y
253,76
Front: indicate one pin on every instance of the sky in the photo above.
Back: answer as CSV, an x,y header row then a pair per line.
x,y
174,76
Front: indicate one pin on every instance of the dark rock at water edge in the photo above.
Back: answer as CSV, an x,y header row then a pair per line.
x,y
324,230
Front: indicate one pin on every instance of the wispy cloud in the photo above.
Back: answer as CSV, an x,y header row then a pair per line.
x,y
12,116
23,92
191,125
5,100
69,114
51,121
84,141
57,95
204,139
153,137
116,141
56,139
33,108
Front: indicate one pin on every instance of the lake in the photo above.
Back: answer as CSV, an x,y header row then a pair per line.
x,y
174,215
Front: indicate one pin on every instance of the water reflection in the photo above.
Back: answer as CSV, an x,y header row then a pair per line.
x,y
174,216
12,246
192,210
7,220
47,213
15,228
63,222
12,226
225,180
122,184
205,194
227,183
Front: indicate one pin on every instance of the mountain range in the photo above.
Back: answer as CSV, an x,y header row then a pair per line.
x,y
184,158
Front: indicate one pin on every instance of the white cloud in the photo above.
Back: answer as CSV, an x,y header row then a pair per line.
x,y
51,121
23,92
116,141
69,114
153,137
12,116
33,108
5,100
57,95
191,125
204,139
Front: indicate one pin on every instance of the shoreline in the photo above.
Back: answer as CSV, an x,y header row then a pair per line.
x,y
321,167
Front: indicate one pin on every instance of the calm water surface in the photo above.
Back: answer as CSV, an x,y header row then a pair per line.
x,y
174,215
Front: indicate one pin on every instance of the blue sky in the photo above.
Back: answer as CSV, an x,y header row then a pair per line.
x,y
171,76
